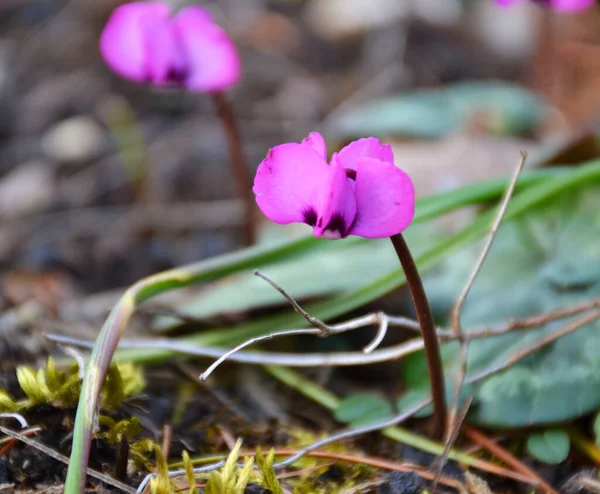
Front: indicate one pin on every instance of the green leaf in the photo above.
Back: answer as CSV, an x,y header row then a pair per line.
x,y
551,446
547,260
507,109
597,428
362,409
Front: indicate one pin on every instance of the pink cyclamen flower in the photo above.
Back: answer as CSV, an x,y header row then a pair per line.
x,y
558,5
359,192
142,42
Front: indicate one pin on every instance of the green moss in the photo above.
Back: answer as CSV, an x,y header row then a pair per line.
x,y
51,386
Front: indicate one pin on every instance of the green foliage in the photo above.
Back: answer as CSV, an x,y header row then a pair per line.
x,y
189,472
127,428
361,409
506,109
265,465
161,484
547,260
231,479
551,446
60,388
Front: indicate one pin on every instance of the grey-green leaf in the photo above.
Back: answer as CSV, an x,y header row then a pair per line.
x,y
551,446
506,109
363,408
549,259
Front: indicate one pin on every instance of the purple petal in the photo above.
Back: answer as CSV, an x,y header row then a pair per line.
x,y
315,141
213,63
336,208
571,5
368,147
385,199
506,3
290,182
136,42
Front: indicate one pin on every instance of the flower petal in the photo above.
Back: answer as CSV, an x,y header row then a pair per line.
x,y
571,5
290,182
385,199
336,208
369,147
315,141
213,60
136,42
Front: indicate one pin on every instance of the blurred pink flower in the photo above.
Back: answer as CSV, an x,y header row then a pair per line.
x,y
360,192
558,5
142,42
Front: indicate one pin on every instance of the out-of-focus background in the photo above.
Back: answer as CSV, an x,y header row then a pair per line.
x,y
103,182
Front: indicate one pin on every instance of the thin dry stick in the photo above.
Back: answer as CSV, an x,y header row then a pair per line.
x,y
456,327
63,459
534,347
242,175
331,359
439,464
17,416
589,483
507,458
431,344
312,320
323,329
9,442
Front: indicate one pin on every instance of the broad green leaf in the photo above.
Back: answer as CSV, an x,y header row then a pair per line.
x,y
551,446
433,113
362,409
547,260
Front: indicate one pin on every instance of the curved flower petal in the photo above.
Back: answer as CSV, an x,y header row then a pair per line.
x,y
136,42
336,208
213,62
289,184
385,199
369,147
315,141
571,5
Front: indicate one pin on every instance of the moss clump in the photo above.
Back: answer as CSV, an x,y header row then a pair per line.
x,y
51,386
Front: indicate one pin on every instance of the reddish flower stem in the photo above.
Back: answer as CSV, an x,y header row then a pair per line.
x,y
428,331
240,170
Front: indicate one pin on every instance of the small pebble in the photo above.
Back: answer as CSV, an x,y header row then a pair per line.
x,y
73,140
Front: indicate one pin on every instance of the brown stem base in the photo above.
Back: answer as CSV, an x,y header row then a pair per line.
x,y
243,177
428,331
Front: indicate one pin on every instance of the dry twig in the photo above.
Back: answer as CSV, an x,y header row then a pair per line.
x,y
456,327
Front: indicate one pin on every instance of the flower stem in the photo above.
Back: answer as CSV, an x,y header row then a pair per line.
x,y
240,170
428,331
